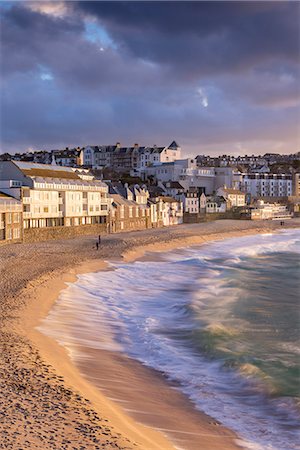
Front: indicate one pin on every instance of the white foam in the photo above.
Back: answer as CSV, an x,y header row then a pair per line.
x,y
132,309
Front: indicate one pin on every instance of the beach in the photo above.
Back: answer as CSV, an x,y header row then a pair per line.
x,y
45,400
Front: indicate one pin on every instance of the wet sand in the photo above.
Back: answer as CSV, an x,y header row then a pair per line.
x,y
45,401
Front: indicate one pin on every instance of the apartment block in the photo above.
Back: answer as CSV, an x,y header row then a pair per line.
x,y
55,196
267,185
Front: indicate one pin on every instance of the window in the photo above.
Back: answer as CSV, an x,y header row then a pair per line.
x,y
16,217
9,218
16,233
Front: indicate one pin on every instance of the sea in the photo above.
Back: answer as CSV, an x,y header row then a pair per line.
x,y
221,320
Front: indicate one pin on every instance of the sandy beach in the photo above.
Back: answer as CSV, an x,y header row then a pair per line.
x,y
46,403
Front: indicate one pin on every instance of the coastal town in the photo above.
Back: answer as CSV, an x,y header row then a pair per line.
x,y
108,189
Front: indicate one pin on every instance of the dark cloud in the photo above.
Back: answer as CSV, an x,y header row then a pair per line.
x,y
206,74
199,38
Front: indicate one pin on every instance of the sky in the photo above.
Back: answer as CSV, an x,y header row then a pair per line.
x,y
218,77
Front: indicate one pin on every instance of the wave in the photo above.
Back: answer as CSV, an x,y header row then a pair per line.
x,y
206,317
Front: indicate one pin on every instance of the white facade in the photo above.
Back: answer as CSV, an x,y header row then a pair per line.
x,y
234,197
172,213
186,172
265,211
152,156
191,203
56,196
267,185
88,158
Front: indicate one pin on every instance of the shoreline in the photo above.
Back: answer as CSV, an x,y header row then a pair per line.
x,y
41,295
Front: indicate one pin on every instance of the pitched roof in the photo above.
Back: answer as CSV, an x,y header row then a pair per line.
x,y
233,191
173,185
46,170
218,199
167,199
174,145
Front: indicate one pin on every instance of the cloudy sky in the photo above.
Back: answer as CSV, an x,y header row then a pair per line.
x,y
219,77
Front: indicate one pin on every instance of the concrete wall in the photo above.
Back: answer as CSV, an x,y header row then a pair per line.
x,y
45,234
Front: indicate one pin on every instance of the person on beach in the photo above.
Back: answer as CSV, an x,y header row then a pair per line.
x,y
97,245
99,239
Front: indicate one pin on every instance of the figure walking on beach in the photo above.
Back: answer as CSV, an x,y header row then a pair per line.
x,y
99,239
97,246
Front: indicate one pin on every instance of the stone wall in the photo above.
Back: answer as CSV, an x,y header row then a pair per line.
x,y
45,234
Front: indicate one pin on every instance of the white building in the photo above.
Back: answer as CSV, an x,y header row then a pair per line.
x,y
227,176
267,185
152,156
54,195
186,172
234,197
172,213
191,201
273,211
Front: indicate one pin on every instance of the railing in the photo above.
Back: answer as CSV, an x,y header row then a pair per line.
x,y
33,215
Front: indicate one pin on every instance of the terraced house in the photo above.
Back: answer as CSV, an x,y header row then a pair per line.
x,y
10,219
56,198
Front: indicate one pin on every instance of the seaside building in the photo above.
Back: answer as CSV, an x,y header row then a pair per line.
x,y
172,212
129,209
234,197
269,211
11,228
127,215
267,185
55,198
215,204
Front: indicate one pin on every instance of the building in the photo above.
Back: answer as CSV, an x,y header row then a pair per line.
x,y
130,209
67,157
172,213
267,185
296,184
230,177
55,196
186,172
269,211
127,215
172,189
133,159
156,206
234,197
11,228
216,204
151,156
191,201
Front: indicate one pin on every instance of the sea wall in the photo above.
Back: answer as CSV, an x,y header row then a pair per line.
x,y
45,234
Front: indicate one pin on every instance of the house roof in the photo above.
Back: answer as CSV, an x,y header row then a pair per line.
x,y
167,199
174,145
218,199
46,170
233,191
7,197
173,185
